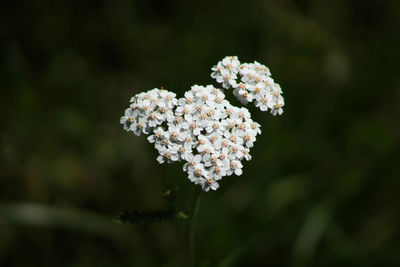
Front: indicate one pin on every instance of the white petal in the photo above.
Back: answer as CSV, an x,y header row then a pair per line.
x,y
238,172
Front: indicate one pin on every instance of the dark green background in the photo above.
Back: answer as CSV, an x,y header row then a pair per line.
x,y
323,186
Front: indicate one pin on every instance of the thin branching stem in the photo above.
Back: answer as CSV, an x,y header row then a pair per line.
x,y
192,226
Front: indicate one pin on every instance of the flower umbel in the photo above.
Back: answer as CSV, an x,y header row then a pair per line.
x,y
203,129
251,82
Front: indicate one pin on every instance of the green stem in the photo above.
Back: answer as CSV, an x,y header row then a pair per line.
x,y
191,226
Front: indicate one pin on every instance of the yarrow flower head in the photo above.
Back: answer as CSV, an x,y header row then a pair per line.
x,y
202,129
251,82
226,71
148,110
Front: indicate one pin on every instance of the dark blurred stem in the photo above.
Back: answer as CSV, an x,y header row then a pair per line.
x,y
192,226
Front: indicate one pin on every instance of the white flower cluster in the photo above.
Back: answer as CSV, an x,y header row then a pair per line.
x,y
203,129
251,82
149,109
209,134
226,72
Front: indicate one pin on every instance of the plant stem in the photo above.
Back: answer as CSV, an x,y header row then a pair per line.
x,y
191,226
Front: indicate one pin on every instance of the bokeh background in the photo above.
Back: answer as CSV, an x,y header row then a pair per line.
x,y
322,188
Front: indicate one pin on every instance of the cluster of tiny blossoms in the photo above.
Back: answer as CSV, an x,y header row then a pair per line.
x,y
250,82
149,109
202,129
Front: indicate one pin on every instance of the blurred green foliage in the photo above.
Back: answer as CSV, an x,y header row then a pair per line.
x,y
322,188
